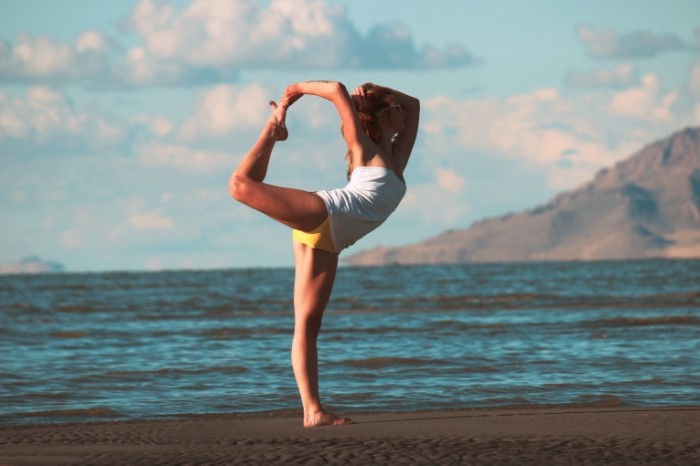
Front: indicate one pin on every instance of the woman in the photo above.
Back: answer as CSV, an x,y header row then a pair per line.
x,y
379,126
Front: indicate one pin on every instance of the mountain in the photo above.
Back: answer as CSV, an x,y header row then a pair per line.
x,y
31,264
645,206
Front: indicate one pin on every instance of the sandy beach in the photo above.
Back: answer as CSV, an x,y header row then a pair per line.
x,y
540,436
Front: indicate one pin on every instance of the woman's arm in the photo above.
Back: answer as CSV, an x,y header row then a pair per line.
x,y
406,139
336,93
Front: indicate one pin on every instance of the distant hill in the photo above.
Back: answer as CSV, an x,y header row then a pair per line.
x,y
31,264
645,206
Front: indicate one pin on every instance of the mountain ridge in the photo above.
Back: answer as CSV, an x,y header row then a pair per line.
x,y
645,206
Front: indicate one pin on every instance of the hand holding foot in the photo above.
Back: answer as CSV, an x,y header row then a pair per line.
x,y
292,93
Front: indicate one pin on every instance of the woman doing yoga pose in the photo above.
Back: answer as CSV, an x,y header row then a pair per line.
x,y
379,126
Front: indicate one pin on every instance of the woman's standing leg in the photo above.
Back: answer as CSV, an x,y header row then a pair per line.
x,y
315,271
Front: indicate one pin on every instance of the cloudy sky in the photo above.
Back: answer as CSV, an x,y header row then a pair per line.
x,y
120,122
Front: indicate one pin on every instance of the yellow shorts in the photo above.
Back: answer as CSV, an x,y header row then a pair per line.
x,y
318,238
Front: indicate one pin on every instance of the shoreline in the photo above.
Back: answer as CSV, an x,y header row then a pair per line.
x,y
101,414
524,435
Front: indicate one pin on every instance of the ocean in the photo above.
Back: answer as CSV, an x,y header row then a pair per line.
x,y
108,346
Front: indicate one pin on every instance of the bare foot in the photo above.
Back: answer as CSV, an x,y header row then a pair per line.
x,y
325,419
276,122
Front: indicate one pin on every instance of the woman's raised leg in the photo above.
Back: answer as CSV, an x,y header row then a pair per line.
x,y
293,207
315,271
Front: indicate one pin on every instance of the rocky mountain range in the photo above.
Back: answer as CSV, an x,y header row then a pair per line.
x,y
645,206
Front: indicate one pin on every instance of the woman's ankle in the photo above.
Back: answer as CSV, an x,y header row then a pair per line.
x,y
276,127
271,132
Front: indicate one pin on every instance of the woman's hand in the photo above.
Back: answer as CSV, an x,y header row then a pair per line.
x,y
292,93
360,93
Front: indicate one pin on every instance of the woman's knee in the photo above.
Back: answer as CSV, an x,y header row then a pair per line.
x,y
308,325
240,187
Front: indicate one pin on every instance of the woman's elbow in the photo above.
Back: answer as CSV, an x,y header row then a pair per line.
x,y
340,90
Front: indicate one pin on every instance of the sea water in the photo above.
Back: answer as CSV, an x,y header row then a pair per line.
x,y
86,346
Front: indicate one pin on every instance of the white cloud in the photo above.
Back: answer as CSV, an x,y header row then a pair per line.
x,y
71,238
638,44
211,41
693,84
449,180
541,126
621,75
182,157
11,124
159,126
284,34
645,101
150,220
41,57
567,137
43,60
18,197
45,116
141,69
431,204
226,108
153,21
91,41
42,112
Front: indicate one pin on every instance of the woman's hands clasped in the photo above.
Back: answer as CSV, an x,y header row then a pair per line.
x,y
360,93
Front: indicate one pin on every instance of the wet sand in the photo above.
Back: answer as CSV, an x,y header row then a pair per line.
x,y
541,436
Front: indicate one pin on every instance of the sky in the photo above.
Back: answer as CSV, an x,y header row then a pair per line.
x,y
121,122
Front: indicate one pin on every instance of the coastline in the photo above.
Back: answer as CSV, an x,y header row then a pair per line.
x,y
545,435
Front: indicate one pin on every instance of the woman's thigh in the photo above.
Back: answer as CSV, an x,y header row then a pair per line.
x,y
315,271
295,208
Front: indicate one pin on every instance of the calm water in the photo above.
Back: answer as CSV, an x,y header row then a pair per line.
x,y
146,345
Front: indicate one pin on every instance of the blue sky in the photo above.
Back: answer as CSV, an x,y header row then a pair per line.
x,y
120,122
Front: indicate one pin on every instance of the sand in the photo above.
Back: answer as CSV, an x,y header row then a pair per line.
x,y
543,436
